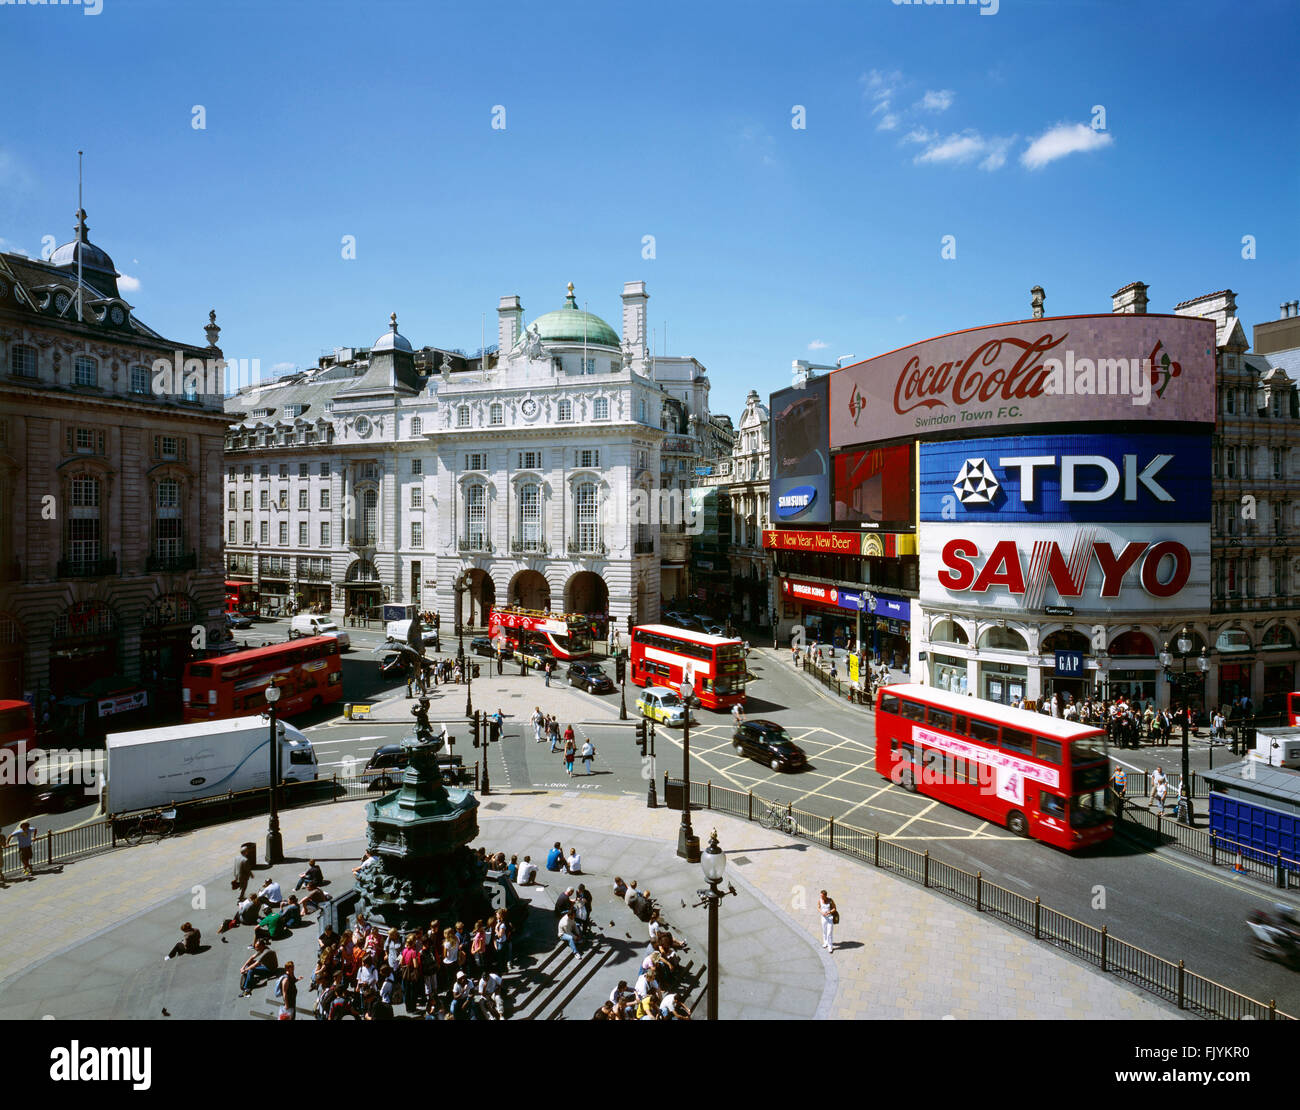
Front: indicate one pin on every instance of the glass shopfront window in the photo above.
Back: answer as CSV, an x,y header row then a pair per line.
x,y
1003,682
1136,686
947,672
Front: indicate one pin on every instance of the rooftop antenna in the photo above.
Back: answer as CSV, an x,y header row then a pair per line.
x,y
81,221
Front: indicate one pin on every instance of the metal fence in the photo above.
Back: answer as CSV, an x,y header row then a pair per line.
x,y
1164,978
1159,831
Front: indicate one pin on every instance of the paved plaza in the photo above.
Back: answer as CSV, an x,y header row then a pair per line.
x,y
94,933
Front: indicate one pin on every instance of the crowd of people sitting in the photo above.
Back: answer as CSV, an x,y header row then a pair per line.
x,y
656,994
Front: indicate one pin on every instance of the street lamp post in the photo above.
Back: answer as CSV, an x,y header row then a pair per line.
x,y
1183,682
688,844
714,865
468,667
460,586
652,800
871,606
274,841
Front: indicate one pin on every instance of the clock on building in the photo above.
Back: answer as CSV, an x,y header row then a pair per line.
x,y
117,315
528,408
61,301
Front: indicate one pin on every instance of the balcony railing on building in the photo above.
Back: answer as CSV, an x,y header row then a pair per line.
x,y
309,573
586,547
87,568
475,543
171,564
643,547
529,547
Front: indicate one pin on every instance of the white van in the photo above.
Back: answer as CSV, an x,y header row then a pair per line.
x,y
400,630
313,624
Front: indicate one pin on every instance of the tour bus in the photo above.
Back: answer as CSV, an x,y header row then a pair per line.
x,y
1036,775
566,636
308,672
661,655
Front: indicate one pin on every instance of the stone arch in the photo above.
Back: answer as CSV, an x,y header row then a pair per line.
x,y
1133,643
482,596
997,638
586,592
948,630
529,589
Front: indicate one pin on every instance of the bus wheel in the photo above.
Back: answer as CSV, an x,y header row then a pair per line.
x,y
907,781
1017,824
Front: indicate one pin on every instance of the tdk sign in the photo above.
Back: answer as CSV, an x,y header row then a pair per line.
x,y
795,501
1074,478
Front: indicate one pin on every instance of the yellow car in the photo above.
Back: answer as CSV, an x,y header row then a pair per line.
x,y
658,703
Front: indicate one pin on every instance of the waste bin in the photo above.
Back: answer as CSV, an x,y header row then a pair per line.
x,y
672,794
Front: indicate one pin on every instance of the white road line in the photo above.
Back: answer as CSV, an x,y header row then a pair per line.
x,y
894,834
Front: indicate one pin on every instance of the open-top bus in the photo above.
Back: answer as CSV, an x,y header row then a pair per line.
x,y
661,655
308,672
1036,775
564,635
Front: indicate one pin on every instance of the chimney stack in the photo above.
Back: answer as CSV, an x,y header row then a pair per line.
x,y
635,299
1036,299
1295,308
510,315
1131,300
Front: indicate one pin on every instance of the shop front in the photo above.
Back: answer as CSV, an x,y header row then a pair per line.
x,y
166,646
1003,682
1136,685
831,615
1279,680
1234,681
83,648
948,672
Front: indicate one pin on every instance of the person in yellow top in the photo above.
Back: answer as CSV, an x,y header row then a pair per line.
x,y
648,1007
1119,787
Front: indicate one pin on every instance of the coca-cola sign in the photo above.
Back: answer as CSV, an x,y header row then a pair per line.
x,y
1054,370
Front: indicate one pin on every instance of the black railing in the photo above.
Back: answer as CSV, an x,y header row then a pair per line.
x,y
643,547
171,563
1164,978
87,568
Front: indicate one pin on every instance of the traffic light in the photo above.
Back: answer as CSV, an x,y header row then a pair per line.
x,y
640,736
620,667
474,727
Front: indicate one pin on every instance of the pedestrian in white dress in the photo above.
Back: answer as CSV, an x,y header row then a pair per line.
x,y
830,916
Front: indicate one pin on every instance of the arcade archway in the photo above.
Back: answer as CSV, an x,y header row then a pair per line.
x,y
586,592
530,590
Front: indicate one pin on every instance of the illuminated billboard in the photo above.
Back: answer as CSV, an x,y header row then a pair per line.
x,y
873,487
801,457
1057,479
1063,369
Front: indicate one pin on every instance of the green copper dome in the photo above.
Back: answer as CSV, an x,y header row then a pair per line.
x,y
569,324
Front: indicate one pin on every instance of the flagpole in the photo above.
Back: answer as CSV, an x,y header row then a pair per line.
x,y
81,221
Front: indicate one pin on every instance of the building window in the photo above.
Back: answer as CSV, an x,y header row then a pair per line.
x,y
565,412
641,411
325,498
324,470
83,522
588,365
302,533
462,416
284,533
641,460
284,499
264,532
264,500
496,415
85,371
476,461
415,581
417,497
369,516
1279,462
1279,578
417,466
530,460
588,519
476,515
1230,461
530,516
325,534
415,426
265,471
302,499
588,456
230,500
600,410
230,532
248,472
417,534
1277,403
140,379
167,528
248,531
22,361
1279,522
248,499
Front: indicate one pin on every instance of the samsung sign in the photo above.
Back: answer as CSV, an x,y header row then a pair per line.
x,y
795,501
1063,479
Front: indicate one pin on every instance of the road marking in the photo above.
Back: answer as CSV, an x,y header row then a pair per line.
x,y
911,819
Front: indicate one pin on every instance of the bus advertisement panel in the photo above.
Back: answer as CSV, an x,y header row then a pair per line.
x,y
564,635
308,672
1036,775
663,656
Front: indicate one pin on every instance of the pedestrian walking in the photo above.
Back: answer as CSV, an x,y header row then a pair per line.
x,y
243,871
287,991
22,836
538,719
548,674
1159,787
588,752
570,750
738,714
830,918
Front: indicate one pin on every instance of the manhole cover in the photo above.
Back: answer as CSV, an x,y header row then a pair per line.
x,y
740,861
493,805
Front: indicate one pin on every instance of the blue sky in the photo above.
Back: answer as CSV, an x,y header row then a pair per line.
x,y
374,119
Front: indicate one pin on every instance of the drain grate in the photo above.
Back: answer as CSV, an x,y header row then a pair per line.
x,y
493,805
740,861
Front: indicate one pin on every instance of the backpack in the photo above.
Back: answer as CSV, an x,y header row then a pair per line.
x,y
279,987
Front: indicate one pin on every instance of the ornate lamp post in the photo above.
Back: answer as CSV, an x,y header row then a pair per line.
x,y
460,586
714,865
1184,682
688,844
274,841
871,607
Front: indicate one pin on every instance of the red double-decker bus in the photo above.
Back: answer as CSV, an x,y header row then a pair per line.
x,y
661,655
1293,709
309,673
17,728
240,597
1036,775
566,636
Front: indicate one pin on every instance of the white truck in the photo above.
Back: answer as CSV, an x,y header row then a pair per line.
x,y
1278,747
181,763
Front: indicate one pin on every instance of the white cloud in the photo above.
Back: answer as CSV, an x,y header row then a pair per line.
x,y
817,345
127,284
939,100
283,368
755,139
963,148
888,122
1061,140
920,135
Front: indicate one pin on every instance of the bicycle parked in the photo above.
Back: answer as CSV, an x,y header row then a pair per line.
x,y
779,818
159,823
